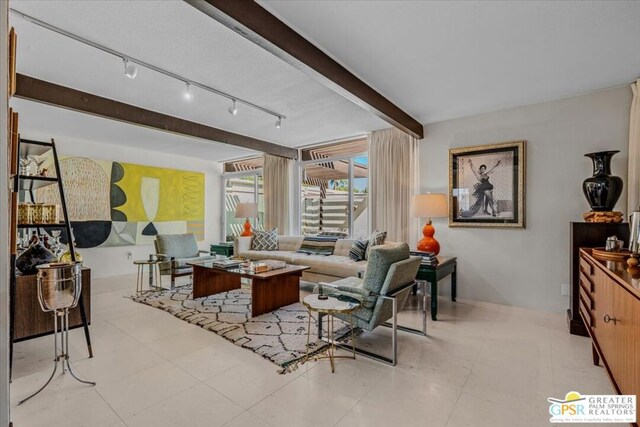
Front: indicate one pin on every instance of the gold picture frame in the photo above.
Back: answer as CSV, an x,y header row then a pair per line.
x,y
487,185
13,46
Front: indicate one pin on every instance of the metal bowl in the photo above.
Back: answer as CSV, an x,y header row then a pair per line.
x,y
59,285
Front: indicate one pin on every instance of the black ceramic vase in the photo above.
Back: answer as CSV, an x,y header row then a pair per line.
x,y
35,255
602,190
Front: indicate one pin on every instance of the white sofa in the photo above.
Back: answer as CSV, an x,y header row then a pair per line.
x,y
323,268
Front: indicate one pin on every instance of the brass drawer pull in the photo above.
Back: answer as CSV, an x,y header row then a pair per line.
x,y
608,319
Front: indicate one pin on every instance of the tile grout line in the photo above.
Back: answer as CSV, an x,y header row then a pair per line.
x,y
466,380
149,368
109,405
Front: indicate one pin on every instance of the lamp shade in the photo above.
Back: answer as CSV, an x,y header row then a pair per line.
x,y
430,205
247,210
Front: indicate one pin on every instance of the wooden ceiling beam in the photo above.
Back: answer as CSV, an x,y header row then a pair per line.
x,y
65,97
252,21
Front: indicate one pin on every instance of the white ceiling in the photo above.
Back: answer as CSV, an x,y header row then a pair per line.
x,y
445,59
179,38
436,60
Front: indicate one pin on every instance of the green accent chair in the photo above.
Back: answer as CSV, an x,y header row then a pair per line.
x,y
382,292
175,251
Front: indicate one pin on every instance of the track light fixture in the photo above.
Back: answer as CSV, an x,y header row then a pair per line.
x,y
131,65
233,110
130,69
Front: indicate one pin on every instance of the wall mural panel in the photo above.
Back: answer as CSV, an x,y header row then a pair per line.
x,y
123,204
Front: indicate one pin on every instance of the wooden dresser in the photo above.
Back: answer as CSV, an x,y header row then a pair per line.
x,y
587,235
610,308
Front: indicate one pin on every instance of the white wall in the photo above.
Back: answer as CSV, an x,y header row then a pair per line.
x,y
527,267
113,261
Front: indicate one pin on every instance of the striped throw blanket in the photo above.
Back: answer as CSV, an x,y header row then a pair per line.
x,y
317,245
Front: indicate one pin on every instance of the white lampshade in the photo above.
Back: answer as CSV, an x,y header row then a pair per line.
x,y
247,210
430,205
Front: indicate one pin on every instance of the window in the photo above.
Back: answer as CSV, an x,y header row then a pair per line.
x,y
334,190
242,184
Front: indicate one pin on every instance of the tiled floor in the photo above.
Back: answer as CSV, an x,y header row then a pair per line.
x,y
481,365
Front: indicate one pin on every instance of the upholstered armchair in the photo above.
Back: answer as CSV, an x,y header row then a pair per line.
x,y
382,292
175,251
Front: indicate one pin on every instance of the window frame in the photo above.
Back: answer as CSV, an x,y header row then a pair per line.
x,y
225,176
351,159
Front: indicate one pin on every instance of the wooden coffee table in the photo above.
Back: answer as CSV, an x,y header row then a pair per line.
x,y
269,291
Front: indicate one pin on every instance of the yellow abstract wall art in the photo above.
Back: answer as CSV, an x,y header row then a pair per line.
x,y
121,204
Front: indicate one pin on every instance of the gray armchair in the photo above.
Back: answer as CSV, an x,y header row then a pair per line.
x,y
175,251
387,282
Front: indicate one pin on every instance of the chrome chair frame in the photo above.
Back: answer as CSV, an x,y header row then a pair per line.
x,y
393,325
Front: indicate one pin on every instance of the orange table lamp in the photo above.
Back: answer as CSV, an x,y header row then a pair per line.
x,y
247,210
430,205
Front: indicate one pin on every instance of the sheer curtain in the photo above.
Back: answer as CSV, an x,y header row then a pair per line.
x,y
276,176
393,164
633,191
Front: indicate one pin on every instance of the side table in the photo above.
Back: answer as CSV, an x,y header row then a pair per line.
x,y
330,306
222,248
432,274
154,267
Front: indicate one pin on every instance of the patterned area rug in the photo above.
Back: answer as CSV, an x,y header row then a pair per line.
x,y
279,336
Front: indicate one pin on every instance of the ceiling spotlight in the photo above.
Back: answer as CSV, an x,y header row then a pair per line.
x,y
130,69
187,93
279,122
233,110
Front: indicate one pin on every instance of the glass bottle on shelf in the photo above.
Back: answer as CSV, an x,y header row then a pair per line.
x,y
56,246
66,256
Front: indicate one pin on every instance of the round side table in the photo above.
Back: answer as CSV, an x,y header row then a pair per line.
x,y
154,270
329,307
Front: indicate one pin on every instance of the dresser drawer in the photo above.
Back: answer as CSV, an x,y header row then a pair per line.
x,y
587,267
586,283
586,314
586,298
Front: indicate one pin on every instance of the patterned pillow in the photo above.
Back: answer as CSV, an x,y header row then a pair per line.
x,y
265,240
358,250
376,238
318,246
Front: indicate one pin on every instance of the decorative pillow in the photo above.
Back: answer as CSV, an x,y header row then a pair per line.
x,y
317,246
358,250
376,238
265,240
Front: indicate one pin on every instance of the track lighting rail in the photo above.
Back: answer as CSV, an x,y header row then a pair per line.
x,y
130,59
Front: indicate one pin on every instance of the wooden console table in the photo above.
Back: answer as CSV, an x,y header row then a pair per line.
x,y
432,274
30,321
610,307
587,235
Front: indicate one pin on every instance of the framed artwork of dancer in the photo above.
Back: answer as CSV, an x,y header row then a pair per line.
x,y
487,185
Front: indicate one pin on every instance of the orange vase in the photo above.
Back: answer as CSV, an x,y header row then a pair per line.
x,y
428,243
247,229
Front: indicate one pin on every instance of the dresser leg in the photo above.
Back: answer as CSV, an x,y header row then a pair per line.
x,y
596,356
